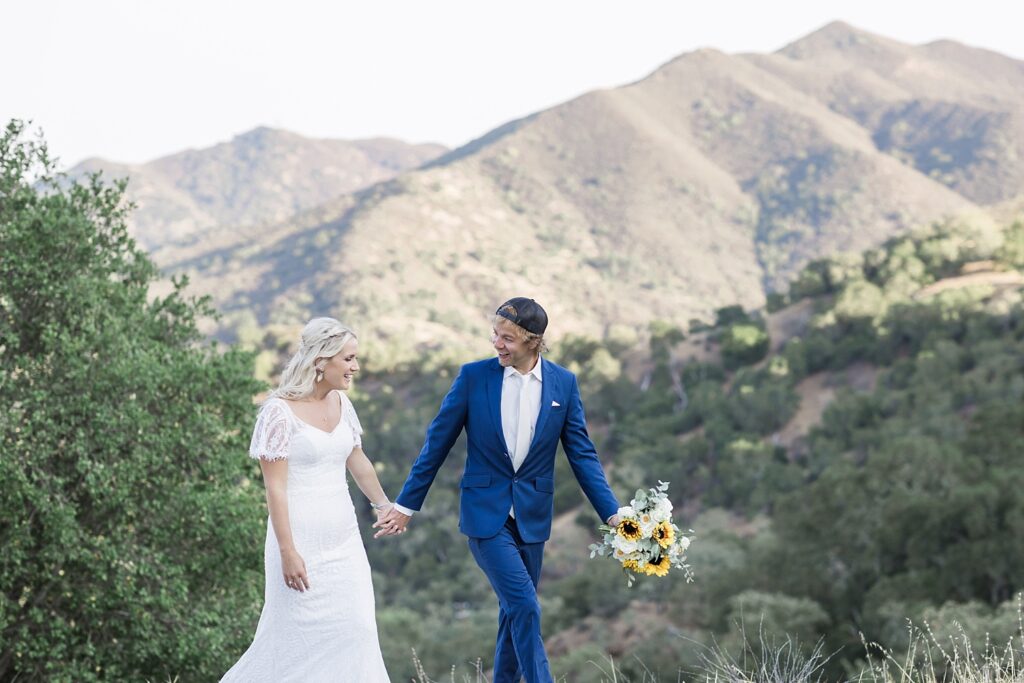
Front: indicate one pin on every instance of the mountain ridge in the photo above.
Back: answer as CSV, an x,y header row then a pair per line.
x,y
261,176
710,181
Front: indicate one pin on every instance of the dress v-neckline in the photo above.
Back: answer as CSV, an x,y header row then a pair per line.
x,y
341,418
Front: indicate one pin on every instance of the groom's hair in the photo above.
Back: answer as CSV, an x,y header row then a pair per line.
x,y
523,334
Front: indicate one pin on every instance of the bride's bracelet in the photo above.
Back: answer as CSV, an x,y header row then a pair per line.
x,y
380,506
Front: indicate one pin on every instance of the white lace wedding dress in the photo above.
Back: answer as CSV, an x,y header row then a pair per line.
x,y
328,633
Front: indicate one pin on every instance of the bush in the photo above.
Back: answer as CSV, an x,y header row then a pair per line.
x,y
776,301
132,539
743,344
778,615
1011,253
730,315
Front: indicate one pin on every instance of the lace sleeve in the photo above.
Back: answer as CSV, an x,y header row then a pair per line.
x,y
352,420
272,434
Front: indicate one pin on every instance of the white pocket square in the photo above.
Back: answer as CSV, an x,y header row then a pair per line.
x,y
556,404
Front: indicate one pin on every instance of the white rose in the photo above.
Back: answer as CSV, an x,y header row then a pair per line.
x,y
683,543
647,524
621,555
624,545
662,512
627,512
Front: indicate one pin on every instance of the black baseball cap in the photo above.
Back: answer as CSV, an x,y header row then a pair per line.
x,y
526,313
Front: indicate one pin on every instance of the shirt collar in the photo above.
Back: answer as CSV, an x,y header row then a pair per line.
x,y
509,371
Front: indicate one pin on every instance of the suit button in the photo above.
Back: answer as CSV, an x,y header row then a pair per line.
x,y
515,480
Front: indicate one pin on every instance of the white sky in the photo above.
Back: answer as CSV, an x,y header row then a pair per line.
x,y
132,80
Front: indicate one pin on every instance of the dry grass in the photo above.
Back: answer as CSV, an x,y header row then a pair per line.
x,y
929,660
475,676
767,660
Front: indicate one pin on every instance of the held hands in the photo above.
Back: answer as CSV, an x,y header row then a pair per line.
x,y
382,514
391,522
294,569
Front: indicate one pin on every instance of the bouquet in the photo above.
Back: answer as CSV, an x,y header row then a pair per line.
x,y
646,541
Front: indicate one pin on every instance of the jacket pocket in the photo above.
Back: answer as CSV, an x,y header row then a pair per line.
x,y
472,481
544,484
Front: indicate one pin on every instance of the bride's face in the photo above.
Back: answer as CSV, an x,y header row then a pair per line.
x,y
340,368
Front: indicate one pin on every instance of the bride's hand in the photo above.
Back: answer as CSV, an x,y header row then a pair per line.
x,y
383,511
294,569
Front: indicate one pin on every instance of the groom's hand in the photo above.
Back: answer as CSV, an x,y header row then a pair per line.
x,y
391,523
614,520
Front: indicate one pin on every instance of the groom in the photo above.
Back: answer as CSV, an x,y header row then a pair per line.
x,y
515,409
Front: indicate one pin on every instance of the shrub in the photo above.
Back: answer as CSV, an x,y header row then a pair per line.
x,y
743,344
131,537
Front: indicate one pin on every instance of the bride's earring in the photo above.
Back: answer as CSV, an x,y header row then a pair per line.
x,y
319,374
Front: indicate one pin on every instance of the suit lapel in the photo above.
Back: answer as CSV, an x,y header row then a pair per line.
x,y
494,380
547,391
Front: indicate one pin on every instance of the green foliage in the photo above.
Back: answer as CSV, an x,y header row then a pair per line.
x,y
812,281
776,301
912,504
595,364
750,475
761,403
778,615
731,315
1011,253
131,534
441,636
860,299
976,620
581,663
663,338
743,344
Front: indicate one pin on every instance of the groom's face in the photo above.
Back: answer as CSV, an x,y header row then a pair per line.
x,y
512,349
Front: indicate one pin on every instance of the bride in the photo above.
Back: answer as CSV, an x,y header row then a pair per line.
x,y
318,619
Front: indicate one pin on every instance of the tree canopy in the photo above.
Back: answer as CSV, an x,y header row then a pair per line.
x,y
126,520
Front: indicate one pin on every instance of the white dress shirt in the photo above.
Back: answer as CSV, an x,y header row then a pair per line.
x,y
511,384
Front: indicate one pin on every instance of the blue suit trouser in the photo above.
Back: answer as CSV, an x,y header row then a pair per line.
x,y
513,568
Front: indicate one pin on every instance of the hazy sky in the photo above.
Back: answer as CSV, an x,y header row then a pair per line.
x,y
131,80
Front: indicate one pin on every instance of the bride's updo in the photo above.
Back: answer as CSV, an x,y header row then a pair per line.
x,y
321,338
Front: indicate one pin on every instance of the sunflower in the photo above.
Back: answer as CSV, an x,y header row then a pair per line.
x,y
631,565
664,534
629,530
658,567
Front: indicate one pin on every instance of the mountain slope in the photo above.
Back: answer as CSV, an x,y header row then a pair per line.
x,y
710,182
261,177
953,112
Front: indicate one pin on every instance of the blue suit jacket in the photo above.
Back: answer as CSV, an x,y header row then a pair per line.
x,y
490,487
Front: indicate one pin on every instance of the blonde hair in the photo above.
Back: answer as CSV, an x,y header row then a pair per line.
x,y
524,334
321,338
